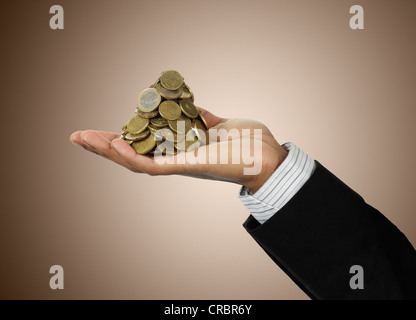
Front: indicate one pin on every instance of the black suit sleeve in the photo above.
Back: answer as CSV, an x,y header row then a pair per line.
x,y
324,230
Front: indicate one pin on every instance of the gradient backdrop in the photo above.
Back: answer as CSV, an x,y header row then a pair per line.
x,y
346,97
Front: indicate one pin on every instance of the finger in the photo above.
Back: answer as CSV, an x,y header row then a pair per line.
x,y
108,135
103,147
88,148
89,138
75,138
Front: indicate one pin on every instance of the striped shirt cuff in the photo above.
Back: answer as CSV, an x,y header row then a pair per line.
x,y
282,185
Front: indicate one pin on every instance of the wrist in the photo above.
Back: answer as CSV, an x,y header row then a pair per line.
x,y
269,165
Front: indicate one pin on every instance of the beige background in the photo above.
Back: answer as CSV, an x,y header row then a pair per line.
x,y
345,97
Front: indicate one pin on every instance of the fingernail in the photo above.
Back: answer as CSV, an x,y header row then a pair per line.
x,y
71,138
74,143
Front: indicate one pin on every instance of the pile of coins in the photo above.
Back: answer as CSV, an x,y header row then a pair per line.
x,y
166,119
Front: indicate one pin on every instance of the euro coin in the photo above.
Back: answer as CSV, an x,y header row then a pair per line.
x,y
154,84
147,115
179,137
187,145
187,92
201,131
165,116
144,146
171,80
159,122
203,121
157,135
169,94
189,109
148,100
166,134
166,147
181,125
152,128
136,137
169,110
137,125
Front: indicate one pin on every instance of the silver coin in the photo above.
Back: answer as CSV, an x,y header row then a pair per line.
x,y
149,100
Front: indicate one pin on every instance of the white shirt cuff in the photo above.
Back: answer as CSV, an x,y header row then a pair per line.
x,y
282,185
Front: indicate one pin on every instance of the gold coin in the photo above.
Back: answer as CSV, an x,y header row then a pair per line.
x,y
137,124
179,137
125,131
166,147
181,125
158,136
170,135
152,128
159,122
203,121
169,94
185,96
154,84
147,115
169,110
166,113
166,134
187,92
188,145
145,145
148,100
171,80
189,109
136,137
201,131
176,137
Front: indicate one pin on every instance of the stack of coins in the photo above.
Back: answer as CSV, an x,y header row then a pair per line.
x,y
166,119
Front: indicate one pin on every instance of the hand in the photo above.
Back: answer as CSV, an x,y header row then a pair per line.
x,y
108,145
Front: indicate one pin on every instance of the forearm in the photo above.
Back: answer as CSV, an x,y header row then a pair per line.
x,y
324,230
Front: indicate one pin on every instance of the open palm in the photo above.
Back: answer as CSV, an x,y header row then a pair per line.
x,y
108,145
